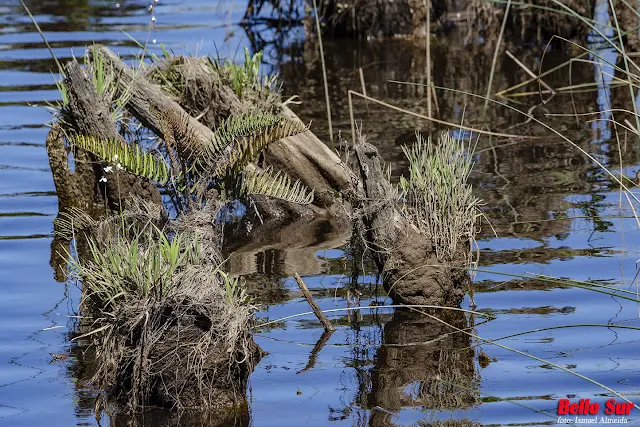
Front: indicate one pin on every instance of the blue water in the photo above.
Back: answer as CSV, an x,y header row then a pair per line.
x,y
553,215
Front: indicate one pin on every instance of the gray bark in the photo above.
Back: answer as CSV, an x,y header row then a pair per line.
x,y
91,116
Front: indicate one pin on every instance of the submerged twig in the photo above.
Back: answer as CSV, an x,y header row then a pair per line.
x,y
314,306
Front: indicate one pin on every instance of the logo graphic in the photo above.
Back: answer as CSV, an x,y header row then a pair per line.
x,y
587,412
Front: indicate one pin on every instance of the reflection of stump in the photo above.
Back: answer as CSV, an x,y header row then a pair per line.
x,y
169,418
377,18
72,189
419,365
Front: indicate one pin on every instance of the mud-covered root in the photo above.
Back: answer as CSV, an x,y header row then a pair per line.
x,y
413,274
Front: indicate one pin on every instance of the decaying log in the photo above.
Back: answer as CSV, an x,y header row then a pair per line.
x,y
147,99
411,271
302,156
150,105
90,116
202,91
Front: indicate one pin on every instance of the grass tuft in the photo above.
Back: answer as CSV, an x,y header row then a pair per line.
x,y
440,201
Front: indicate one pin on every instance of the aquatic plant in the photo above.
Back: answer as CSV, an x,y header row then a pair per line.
x,y
129,157
439,199
155,291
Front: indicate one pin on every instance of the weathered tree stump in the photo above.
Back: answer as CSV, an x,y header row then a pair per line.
x,y
411,271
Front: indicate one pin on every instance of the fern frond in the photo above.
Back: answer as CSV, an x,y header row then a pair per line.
x,y
240,139
278,185
130,156
177,128
238,126
73,221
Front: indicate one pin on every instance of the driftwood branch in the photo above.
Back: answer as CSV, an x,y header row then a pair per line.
x,y
149,103
314,306
301,156
307,158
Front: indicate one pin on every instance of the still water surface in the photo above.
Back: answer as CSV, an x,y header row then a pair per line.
x,y
554,213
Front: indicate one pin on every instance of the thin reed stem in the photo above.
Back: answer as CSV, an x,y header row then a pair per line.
x,y
522,353
495,60
324,72
427,7
422,116
60,69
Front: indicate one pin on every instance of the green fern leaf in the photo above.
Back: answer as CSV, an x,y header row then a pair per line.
x,y
130,157
278,185
240,139
238,126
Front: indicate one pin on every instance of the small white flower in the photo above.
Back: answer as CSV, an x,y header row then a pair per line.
x,y
119,166
103,179
108,169
117,5
153,41
155,1
115,157
153,19
150,8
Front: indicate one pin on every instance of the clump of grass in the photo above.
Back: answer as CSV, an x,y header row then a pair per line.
x,y
156,300
146,266
246,79
439,198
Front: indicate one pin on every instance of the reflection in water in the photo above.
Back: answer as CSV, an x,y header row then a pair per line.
x,y
422,364
80,15
604,58
526,184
